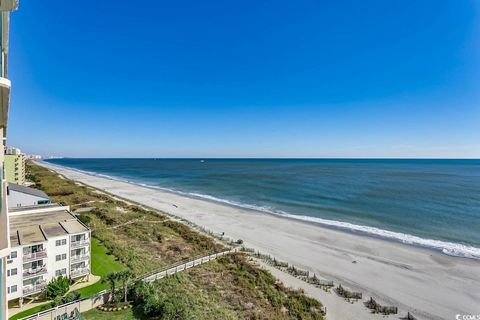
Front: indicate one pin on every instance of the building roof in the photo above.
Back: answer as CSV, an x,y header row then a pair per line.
x,y
30,226
27,190
72,226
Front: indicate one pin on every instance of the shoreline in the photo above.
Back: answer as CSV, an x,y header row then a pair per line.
x,y
428,283
454,249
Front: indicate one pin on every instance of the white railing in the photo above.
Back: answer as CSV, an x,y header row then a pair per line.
x,y
34,272
79,257
34,255
35,288
80,243
79,272
65,310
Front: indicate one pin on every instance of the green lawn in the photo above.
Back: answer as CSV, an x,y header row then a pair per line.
x,y
102,264
117,315
31,311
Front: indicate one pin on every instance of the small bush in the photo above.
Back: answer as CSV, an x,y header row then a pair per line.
x,y
60,193
162,305
57,301
103,215
71,296
58,287
85,219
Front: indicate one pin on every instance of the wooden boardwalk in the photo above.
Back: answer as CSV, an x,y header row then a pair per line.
x,y
179,267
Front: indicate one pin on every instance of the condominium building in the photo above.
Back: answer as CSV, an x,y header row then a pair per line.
x,y
15,168
46,241
12,150
5,7
22,196
34,157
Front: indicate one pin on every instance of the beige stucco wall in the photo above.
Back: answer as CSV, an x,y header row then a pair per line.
x,y
4,237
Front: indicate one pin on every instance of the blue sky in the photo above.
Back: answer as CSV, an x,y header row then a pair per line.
x,y
246,78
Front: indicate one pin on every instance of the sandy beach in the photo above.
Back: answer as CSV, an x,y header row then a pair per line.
x,y
429,284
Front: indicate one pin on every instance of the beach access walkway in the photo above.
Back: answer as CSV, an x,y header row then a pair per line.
x,y
183,266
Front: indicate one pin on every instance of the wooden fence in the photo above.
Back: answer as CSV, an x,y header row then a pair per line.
x,y
341,291
410,316
182,266
378,308
72,310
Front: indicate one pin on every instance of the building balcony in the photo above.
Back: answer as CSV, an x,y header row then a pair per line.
x,y
80,243
34,288
32,272
35,256
80,257
9,5
4,99
79,272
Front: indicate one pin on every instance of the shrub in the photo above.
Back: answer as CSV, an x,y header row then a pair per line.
x,y
71,296
158,302
58,287
60,193
57,301
103,214
84,219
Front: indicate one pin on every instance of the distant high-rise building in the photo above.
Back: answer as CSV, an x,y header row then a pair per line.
x,y
12,150
15,168
5,7
34,157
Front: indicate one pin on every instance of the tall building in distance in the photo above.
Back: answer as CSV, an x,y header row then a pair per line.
x,y
5,7
15,165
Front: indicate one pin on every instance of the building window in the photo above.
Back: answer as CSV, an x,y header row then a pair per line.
x,y
60,257
12,289
79,237
12,272
61,242
60,272
13,255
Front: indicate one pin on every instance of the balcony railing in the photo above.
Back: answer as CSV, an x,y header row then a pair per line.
x,y
34,272
34,288
35,255
80,243
80,257
79,272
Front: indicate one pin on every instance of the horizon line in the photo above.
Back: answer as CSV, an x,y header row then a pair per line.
x,y
272,158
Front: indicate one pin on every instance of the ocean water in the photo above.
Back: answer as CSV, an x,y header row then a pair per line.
x,y
429,203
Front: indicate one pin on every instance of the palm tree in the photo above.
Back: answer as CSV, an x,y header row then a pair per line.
x,y
125,276
111,278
